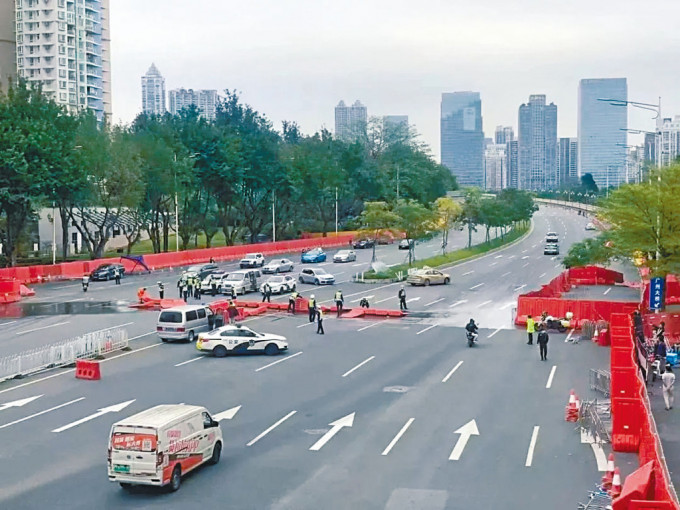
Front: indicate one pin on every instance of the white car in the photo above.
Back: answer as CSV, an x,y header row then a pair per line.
x,y
280,284
252,260
278,266
207,283
345,256
316,275
552,237
591,226
240,340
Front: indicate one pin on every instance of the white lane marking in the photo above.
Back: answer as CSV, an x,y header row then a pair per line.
x,y
362,297
532,446
524,251
492,334
336,426
553,258
268,430
341,272
607,291
484,303
600,457
541,275
18,403
511,257
525,257
100,412
370,326
435,301
398,436
41,413
534,246
507,305
227,415
413,299
426,329
279,361
357,265
520,287
386,299
358,366
7,323
558,266
306,324
469,272
493,263
476,286
43,327
458,303
448,376
498,256
392,265
569,336
505,274
525,265
189,361
550,377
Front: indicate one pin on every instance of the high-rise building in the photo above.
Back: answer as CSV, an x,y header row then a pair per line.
x,y
153,92
568,161
601,130
495,167
8,62
537,144
64,45
462,137
650,148
668,142
504,134
204,100
350,121
512,164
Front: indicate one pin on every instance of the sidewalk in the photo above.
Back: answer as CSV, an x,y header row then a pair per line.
x,y
668,426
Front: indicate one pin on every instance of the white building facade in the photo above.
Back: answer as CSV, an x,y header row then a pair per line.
x,y
204,100
495,167
668,142
153,92
350,121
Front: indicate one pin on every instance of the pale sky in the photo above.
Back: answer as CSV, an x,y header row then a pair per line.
x,y
295,59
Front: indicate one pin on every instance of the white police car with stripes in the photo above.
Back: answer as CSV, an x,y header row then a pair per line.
x,y
236,339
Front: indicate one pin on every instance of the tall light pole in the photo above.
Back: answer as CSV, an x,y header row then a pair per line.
x,y
54,234
176,209
336,211
273,215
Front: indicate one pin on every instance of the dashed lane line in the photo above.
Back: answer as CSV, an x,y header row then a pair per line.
x,y
41,328
453,370
358,366
532,446
505,274
426,329
279,361
541,275
492,334
41,413
484,303
525,265
476,286
189,361
362,297
550,377
507,305
435,301
469,272
520,287
268,430
370,326
607,291
398,436
458,303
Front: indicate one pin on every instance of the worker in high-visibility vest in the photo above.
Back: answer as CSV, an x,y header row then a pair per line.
x,y
531,329
339,301
311,304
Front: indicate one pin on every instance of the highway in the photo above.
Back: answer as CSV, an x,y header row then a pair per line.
x,y
375,414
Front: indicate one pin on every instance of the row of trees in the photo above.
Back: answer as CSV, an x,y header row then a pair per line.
x,y
225,175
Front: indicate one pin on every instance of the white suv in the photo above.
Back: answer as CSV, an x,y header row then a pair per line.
x,y
252,260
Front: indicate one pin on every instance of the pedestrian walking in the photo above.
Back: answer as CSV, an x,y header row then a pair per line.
x,y
232,312
531,329
660,351
179,287
339,301
185,291
161,289
292,299
364,303
668,381
266,293
116,275
402,298
311,307
542,342
319,322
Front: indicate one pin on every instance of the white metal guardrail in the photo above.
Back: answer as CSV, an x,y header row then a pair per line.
x,y
58,354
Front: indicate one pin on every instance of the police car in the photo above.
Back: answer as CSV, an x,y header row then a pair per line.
x,y
237,339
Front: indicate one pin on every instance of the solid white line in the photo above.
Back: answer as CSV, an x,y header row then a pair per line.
x,y
358,366
43,327
532,446
520,287
458,303
507,305
492,334
476,286
435,301
569,336
279,361
267,431
542,275
485,303
469,272
600,457
550,377
448,376
426,329
6,323
369,326
505,274
607,291
190,361
42,412
398,436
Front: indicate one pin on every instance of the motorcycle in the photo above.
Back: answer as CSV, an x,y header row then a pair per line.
x,y
471,338
560,325
85,285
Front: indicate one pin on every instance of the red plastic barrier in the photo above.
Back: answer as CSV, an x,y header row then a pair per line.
x,y
639,485
594,275
88,370
582,309
10,291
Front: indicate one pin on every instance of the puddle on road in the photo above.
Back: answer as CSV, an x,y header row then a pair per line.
x,y
18,310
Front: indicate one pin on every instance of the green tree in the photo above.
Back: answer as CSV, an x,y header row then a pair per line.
x,y
587,252
448,212
471,215
415,220
375,219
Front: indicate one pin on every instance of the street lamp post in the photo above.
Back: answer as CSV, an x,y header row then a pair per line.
x,y
273,215
54,234
336,211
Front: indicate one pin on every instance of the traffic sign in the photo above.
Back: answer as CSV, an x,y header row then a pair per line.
x,y
656,300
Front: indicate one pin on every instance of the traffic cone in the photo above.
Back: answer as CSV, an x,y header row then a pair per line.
x,y
596,333
615,490
609,475
571,410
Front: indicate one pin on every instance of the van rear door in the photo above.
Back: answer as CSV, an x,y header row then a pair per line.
x,y
134,451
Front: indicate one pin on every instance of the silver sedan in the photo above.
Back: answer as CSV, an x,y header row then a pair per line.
x,y
278,266
345,256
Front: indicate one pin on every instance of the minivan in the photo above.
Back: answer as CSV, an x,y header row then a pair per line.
x,y
241,281
183,322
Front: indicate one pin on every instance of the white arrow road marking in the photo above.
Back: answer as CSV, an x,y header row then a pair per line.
x,y
362,297
43,327
448,376
467,430
550,377
42,412
336,426
18,403
426,329
476,286
104,410
458,303
507,305
358,366
279,361
226,415
267,431
492,334
398,436
435,301
532,446
413,299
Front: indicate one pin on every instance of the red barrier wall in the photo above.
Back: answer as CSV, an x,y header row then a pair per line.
x,y
10,291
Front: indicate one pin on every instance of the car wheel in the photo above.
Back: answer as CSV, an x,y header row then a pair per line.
x,y
446,281
176,478
217,452
427,283
191,337
164,340
301,280
294,287
220,351
284,288
316,281
271,349
126,485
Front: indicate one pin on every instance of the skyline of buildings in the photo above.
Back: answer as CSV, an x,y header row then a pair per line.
x,y
537,137
350,121
667,146
205,100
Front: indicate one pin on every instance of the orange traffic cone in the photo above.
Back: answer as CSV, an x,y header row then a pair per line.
x,y
571,410
615,490
609,475
596,333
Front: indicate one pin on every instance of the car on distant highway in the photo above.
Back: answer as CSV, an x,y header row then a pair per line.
x,y
280,284
278,266
107,272
428,276
551,249
237,339
202,270
316,275
313,255
405,244
345,256
590,226
252,260
552,237
361,244
216,278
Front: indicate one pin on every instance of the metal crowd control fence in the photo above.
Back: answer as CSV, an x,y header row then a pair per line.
x,y
595,416
63,353
601,380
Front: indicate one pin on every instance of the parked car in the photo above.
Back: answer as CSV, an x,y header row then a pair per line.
x,y
107,272
278,266
361,244
590,226
280,284
216,278
239,339
252,260
345,256
428,276
313,255
316,275
203,270
405,244
241,281
551,249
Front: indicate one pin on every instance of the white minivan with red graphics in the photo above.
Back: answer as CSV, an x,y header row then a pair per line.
x,y
160,445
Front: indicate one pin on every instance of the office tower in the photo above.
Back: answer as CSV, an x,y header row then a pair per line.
x,y
350,121
538,144
568,161
668,142
204,100
67,50
512,163
504,134
495,167
153,92
462,137
8,64
601,125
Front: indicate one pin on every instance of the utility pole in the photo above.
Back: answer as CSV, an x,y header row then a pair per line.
x,y
397,183
54,234
176,209
336,211
273,215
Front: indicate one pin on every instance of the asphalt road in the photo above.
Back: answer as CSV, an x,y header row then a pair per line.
x,y
411,383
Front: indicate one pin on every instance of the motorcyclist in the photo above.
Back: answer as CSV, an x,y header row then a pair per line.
x,y
472,329
86,282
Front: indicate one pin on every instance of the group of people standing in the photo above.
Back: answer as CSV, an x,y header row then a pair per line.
x,y
660,353
189,286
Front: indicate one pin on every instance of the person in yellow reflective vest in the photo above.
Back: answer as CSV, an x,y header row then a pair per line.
x,y
531,329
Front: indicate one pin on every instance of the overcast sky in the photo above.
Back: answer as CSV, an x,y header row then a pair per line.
x,y
295,59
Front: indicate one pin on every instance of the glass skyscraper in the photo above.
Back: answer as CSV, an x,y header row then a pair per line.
x,y
538,144
462,137
601,127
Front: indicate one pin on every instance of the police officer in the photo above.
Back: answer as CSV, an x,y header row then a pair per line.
x,y
161,289
402,298
319,322
311,304
213,286
291,301
542,341
266,293
339,301
197,288
116,275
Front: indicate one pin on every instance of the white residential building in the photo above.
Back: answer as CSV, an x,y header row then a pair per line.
x,y
204,100
668,142
350,121
495,167
153,92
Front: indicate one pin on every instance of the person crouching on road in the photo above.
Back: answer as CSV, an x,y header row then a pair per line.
x,y
319,322
266,293
531,329
311,305
339,301
542,342
364,303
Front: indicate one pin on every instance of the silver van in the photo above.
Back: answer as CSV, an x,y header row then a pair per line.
x,y
183,322
241,281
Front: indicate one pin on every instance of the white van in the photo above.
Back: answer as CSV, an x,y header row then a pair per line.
x,y
183,322
160,445
242,281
